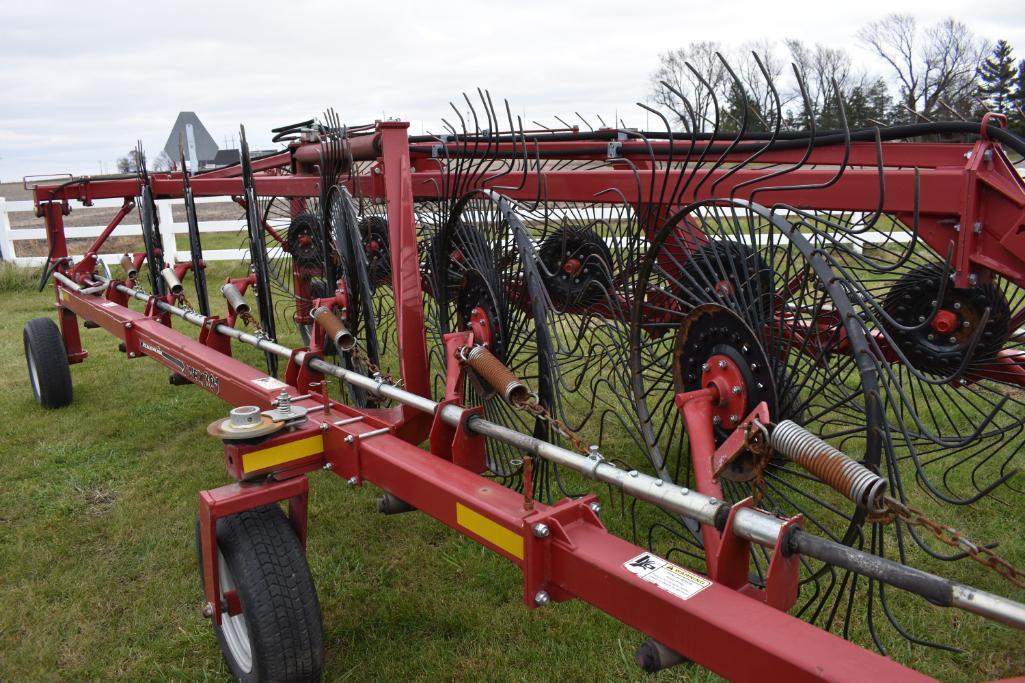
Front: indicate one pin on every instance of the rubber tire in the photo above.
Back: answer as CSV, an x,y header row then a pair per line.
x,y
44,347
278,598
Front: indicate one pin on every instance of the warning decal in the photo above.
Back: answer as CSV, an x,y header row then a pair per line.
x,y
671,578
270,383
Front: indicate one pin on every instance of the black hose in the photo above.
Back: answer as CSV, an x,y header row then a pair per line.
x,y
784,140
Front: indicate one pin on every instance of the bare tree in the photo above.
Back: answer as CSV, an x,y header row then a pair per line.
x,y
820,67
162,162
763,88
933,66
673,73
130,163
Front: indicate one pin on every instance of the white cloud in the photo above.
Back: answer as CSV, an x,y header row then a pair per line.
x,y
80,82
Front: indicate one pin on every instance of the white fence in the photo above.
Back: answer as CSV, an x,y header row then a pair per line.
x,y
168,229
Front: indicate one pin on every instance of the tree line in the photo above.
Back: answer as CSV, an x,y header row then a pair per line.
x,y
940,72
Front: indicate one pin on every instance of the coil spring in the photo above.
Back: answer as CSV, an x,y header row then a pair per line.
x,y
494,372
848,477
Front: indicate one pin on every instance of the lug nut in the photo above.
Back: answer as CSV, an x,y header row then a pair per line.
x,y
723,365
736,390
734,419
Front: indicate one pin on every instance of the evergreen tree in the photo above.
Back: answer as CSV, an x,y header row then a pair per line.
x,y
997,77
1017,113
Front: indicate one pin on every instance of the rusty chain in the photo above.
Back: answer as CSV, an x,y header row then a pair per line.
x,y
534,407
358,354
952,537
251,321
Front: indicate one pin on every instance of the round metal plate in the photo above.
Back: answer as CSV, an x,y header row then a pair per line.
x,y
223,429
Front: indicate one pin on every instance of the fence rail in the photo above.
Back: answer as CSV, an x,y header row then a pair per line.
x,y
168,229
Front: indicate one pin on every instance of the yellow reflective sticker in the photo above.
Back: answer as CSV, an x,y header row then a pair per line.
x,y
490,531
286,452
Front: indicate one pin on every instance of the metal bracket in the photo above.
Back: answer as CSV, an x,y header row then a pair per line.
x,y
231,500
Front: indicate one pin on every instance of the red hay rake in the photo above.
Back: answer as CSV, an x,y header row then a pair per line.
x,y
754,340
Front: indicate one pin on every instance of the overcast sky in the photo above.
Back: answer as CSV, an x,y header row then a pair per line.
x,y
81,81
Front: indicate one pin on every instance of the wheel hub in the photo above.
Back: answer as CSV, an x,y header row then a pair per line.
x,y
576,267
715,348
936,335
478,313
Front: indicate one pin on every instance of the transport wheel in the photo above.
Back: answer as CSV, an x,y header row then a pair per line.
x,y
48,370
279,634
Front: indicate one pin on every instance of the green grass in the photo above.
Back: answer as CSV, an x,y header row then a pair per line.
x,y
99,577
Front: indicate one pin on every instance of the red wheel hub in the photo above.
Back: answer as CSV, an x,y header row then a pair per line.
x,y
480,325
721,373
305,240
572,266
944,321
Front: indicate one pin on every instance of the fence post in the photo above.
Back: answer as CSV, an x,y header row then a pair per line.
x,y
6,243
165,214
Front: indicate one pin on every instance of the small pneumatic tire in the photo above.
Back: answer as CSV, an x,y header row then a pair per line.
x,y
279,634
49,373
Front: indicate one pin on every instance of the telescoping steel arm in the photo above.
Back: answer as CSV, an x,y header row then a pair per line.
x,y
750,524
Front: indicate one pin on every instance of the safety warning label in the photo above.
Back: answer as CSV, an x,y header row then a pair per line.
x,y
269,383
671,578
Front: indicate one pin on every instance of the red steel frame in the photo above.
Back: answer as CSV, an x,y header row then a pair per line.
x,y
579,558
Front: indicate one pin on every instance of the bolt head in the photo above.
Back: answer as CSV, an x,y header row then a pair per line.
x,y
208,610
722,365
736,390
734,419
931,337
541,598
541,530
715,420
704,367
957,305
129,326
132,354
352,481
634,473
966,323
953,340
328,466
595,507
350,439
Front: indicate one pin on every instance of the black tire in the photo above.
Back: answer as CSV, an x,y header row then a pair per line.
x,y
280,613
48,371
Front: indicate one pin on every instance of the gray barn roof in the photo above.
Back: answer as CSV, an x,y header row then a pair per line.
x,y
206,148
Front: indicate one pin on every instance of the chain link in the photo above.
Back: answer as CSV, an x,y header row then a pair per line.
x,y
250,321
534,407
952,537
358,354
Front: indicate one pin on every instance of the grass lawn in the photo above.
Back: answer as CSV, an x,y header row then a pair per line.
x,y
99,577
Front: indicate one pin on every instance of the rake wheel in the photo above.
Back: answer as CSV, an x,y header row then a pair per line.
x,y
343,224
483,279
777,311
955,410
